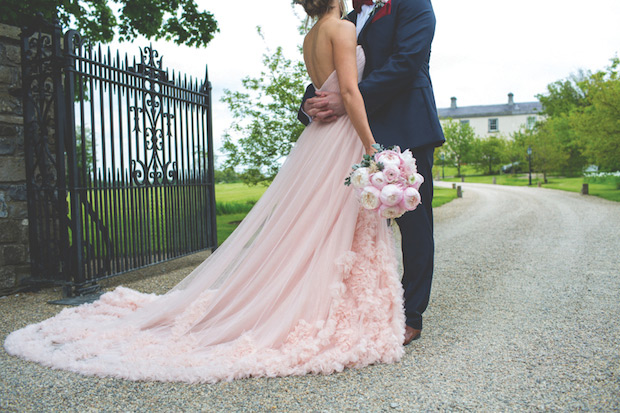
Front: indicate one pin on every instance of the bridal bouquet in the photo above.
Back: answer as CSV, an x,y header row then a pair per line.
x,y
387,181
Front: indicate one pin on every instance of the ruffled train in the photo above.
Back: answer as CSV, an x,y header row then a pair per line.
x,y
365,325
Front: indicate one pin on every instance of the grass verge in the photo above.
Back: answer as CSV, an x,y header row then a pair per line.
x,y
607,189
230,198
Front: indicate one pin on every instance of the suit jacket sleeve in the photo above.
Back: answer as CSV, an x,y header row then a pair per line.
x,y
414,34
301,115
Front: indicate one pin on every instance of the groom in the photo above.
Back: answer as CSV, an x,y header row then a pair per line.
x,y
396,36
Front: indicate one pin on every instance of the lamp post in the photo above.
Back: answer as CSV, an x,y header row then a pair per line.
x,y
443,162
529,159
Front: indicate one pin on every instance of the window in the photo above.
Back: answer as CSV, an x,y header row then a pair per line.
x,y
493,125
465,122
531,121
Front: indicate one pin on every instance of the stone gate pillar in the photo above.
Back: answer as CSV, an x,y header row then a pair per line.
x,y
14,253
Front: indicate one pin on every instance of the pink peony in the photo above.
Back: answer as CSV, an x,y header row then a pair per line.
x,y
370,197
388,157
378,180
411,199
405,170
392,173
394,211
391,195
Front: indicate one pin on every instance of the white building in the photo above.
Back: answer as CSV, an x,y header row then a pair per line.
x,y
488,120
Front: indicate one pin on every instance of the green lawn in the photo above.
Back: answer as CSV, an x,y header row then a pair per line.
x,y
240,195
604,189
238,192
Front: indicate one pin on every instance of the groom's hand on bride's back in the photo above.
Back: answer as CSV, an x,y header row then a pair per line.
x,y
325,107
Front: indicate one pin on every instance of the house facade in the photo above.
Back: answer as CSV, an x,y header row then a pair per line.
x,y
489,120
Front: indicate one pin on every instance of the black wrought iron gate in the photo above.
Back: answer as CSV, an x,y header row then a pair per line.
x,y
119,160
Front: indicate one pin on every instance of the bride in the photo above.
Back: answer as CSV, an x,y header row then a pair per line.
x,y
307,283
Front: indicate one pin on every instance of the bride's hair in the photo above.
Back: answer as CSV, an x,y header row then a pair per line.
x,y
316,8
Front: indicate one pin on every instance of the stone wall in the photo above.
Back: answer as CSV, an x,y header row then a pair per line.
x,y
14,251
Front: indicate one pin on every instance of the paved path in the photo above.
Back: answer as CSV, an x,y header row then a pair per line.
x,y
524,316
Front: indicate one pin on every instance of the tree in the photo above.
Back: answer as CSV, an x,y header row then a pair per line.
x,y
460,138
177,20
563,97
547,152
598,123
226,176
489,153
515,150
265,116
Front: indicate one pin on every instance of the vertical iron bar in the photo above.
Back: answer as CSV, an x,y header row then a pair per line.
x,y
211,170
74,259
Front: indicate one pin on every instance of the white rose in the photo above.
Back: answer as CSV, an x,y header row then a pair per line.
x,y
409,160
360,178
415,180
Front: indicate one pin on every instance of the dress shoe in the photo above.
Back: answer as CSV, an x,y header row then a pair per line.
x,y
411,334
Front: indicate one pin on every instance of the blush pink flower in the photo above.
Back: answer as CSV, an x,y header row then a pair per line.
x,y
411,199
370,197
391,195
378,180
388,157
392,173
394,211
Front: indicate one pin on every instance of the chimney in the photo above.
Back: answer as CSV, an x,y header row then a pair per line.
x,y
452,103
511,100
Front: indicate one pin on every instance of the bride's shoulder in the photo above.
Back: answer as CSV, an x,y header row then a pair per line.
x,y
340,27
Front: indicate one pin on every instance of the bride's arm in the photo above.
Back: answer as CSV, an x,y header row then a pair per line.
x,y
345,60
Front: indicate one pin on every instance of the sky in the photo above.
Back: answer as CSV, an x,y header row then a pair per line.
x,y
483,49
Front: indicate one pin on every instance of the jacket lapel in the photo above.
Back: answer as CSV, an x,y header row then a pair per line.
x,y
362,34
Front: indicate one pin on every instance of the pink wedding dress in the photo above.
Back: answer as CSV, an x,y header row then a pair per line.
x,y
307,283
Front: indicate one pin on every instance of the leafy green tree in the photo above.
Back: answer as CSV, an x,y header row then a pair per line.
x,y
598,123
547,152
562,98
488,154
515,149
226,176
177,20
265,117
460,138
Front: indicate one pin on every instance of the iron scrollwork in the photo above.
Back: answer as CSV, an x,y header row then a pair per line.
x,y
152,170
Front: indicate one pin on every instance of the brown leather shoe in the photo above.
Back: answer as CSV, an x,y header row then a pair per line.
x,y
411,334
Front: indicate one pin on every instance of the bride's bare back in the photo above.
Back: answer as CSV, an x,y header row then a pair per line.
x,y
330,45
318,50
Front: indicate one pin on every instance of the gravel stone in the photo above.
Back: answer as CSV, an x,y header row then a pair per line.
x,y
523,317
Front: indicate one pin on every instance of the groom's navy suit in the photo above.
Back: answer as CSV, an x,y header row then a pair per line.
x,y
400,103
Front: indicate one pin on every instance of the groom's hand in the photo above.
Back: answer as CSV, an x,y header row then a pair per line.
x,y
325,107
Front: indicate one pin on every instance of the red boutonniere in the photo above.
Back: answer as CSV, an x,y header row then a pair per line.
x,y
382,8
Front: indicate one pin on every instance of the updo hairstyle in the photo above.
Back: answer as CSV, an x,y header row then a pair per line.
x,y
315,8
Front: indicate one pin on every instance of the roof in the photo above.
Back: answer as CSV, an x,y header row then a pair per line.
x,y
526,108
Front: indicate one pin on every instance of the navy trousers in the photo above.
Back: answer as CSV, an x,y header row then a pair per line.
x,y
416,228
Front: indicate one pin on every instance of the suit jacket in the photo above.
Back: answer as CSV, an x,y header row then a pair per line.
x,y
396,85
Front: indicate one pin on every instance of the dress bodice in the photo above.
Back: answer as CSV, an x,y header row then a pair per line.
x,y
331,83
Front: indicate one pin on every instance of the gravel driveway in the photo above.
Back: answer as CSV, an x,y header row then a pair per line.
x,y
523,316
